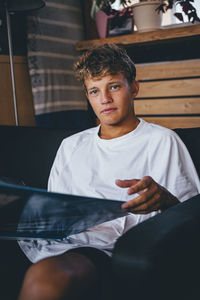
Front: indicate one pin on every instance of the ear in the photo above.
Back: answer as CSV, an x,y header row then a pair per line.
x,y
85,90
86,94
135,86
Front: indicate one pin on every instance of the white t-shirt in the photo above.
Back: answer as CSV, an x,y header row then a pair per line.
x,y
87,165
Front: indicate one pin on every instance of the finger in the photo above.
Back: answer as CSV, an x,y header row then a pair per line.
x,y
142,199
141,186
151,205
155,207
126,183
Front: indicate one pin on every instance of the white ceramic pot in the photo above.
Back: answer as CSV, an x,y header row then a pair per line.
x,y
146,18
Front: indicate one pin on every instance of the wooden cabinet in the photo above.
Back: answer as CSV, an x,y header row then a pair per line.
x,y
23,92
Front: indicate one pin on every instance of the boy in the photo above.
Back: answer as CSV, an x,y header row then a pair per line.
x,y
124,158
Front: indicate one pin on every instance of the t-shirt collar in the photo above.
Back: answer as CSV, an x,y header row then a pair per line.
x,y
117,140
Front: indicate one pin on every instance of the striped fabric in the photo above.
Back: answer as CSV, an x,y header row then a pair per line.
x,y
52,34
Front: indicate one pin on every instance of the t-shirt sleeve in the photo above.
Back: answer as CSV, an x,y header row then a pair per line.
x,y
172,166
60,164
53,181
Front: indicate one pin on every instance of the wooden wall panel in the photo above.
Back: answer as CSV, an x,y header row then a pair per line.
x,y
169,93
168,106
170,88
175,122
23,91
176,69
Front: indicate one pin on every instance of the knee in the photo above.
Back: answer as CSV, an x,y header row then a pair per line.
x,y
43,281
63,277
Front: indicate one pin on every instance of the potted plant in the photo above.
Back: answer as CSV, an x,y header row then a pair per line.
x,y
148,13
103,12
187,7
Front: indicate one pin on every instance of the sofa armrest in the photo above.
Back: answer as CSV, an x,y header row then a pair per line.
x,y
160,258
191,138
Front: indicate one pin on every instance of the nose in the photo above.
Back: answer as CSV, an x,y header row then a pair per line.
x,y
106,97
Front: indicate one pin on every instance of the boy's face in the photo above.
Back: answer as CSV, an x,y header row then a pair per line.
x,y
111,98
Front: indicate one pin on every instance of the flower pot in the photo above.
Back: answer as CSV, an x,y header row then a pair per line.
x,y
101,23
146,17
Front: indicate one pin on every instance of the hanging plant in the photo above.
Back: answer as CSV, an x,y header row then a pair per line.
x,y
188,9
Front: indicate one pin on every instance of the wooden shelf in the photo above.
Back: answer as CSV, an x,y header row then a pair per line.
x,y
145,37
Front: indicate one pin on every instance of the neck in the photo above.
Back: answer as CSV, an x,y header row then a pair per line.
x,y
108,132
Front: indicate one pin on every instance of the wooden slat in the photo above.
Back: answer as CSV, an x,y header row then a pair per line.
x,y
175,122
169,88
143,37
176,69
167,106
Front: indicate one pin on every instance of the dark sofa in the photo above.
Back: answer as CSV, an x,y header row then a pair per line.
x,y
27,153
156,259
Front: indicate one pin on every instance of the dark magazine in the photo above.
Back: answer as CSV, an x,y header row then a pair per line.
x,y
31,213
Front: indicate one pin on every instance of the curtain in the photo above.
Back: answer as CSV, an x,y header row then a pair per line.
x,y
52,34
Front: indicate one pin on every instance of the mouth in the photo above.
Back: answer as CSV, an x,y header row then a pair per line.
x,y
108,110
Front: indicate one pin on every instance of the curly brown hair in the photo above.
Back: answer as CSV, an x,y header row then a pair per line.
x,y
106,59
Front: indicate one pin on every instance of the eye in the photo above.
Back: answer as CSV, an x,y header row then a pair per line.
x,y
114,87
93,92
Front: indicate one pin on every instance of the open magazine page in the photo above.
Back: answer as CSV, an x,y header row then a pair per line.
x,y
32,213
